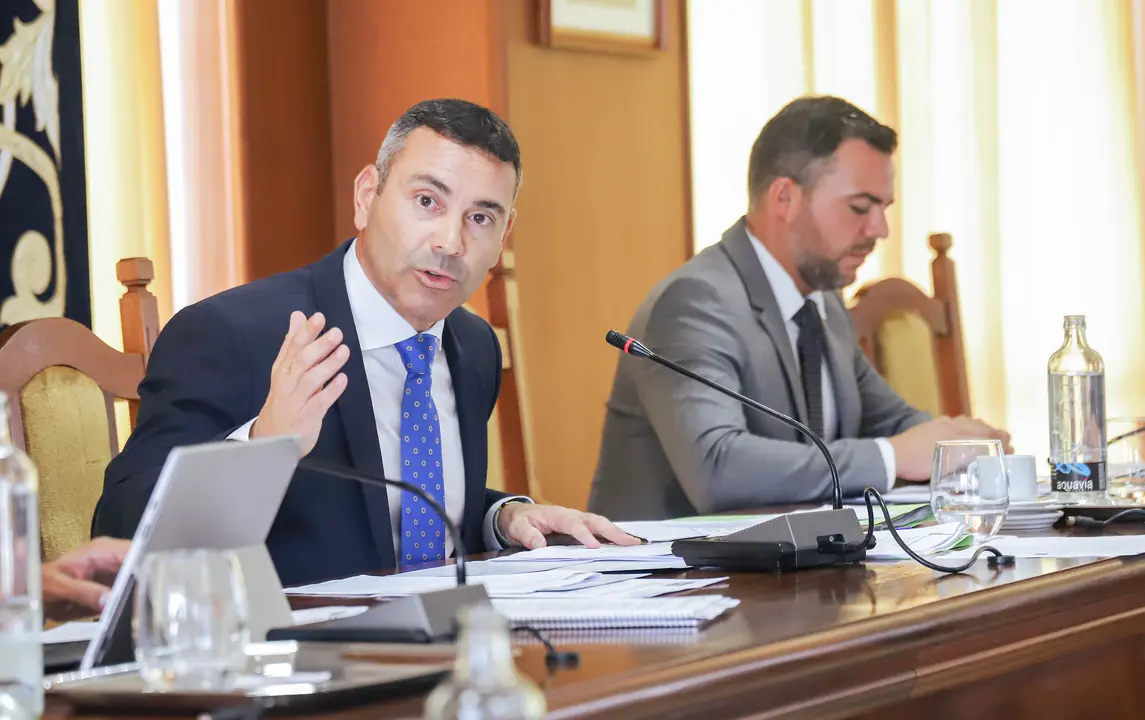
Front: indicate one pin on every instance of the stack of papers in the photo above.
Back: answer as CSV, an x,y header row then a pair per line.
x,y
608,613
78,631
631,587
609,558
706,526
83,631
924,541
903,516
693,527
1101,546
404,584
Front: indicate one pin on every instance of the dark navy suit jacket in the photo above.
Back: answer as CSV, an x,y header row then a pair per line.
x,y
210,373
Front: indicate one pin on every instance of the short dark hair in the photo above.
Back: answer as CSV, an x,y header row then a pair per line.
x,y
462,122
804,133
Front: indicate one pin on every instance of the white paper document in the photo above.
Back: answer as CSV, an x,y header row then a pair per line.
x,y
923,540
700,527
669,530
580,553
85,631
633,588
1101,546
506,566
307,616
667,562
592,581
69,632
477,568
607,613
406,584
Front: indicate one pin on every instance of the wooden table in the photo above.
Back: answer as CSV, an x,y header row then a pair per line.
x,y
1047,638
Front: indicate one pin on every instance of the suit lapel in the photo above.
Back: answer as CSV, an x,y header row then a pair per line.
x,y
471,419
839,352
354,407
737,245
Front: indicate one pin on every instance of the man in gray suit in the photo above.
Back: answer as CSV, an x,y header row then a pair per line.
x,y
759,312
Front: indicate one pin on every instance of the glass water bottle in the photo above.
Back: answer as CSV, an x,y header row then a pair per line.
x,y
485,684
21,619
1077,418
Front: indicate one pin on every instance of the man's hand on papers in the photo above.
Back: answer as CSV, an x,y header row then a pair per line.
x,y
525,525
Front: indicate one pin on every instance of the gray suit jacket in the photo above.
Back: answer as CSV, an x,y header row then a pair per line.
x,y
673,447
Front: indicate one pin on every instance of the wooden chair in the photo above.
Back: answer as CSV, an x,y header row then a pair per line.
x,y
915,340
511,448
62,382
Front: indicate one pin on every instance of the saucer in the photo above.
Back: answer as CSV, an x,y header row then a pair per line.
x,y
1040,505
1033,520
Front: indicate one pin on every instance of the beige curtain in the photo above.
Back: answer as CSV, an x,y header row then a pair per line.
x,y
198,48
125,157
124,149
1020,133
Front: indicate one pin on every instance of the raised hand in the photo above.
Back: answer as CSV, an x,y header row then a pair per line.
x,y
304,381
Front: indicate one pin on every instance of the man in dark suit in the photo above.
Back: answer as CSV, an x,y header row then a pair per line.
x,y
411,375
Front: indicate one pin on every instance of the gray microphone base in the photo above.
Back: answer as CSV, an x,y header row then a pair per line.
x,y
424,618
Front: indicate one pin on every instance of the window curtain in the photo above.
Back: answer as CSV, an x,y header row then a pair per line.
x,y
1020,126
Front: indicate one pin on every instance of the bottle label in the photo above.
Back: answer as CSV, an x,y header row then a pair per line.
x,y
1078,477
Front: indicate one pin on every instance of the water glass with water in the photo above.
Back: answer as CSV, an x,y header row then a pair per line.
x,y
191,619
1126,457
969,484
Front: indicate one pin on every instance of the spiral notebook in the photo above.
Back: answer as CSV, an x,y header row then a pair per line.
x,y
608,613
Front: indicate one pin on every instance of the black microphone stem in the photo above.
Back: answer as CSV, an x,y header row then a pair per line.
x,y
368,479
633,347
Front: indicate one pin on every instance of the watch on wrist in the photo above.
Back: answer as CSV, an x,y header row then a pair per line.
x,y
501,539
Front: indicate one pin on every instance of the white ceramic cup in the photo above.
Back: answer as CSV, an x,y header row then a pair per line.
x,y
1023,477
1021,471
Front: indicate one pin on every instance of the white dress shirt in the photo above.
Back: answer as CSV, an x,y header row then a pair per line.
x,y
790,302
379,329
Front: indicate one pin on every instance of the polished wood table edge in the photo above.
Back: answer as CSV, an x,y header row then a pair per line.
x,y
874,661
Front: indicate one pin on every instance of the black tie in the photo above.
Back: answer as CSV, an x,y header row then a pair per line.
x,y
810,346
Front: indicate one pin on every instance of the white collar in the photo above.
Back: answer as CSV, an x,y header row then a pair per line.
x,y
786,294
377,323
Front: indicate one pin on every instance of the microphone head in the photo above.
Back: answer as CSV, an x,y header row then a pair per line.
x,y
616,339
626,344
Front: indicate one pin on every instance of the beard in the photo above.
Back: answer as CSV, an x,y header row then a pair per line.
x,y
818,271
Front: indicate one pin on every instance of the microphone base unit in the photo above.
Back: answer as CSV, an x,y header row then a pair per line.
x,y
795,541
425,618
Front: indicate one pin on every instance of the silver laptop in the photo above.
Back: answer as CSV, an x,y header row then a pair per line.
x,y
220,496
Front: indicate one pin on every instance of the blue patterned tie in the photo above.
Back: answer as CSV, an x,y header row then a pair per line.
x,y
422,536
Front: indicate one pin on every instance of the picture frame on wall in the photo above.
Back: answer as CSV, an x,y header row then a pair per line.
x,y
629,27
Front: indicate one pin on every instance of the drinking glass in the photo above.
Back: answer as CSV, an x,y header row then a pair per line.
x,y
191,619
970,485
1125,457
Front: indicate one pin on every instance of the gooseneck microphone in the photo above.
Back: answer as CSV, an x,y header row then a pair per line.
x,y
796,540
420,618
631,346
379,481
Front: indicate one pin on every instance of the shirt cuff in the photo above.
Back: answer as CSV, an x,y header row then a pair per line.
x,y
492,539
243,431
888,453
